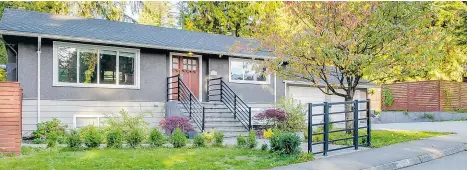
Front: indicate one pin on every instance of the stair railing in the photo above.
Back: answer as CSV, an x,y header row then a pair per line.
x,y
218,90
178,91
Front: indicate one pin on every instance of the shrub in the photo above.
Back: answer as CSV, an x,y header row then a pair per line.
x,y
294,114
208,136
251,140
285,143
38,141
115,138
73,139
44,129
178,138
199,141
388,99
169,124
52,139
264,147
273,117
241,142
2,75
156,138
92,137
218,139
135,137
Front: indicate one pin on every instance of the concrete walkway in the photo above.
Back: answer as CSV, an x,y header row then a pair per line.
x,y
398,155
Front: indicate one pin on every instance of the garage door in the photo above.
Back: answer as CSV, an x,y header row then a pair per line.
x,y
307,94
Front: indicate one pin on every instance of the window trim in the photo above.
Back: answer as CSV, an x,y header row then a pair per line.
x,y
268,77
56,83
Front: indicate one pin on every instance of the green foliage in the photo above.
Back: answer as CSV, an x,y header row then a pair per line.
x,y
198,141
38,141
264,147
388,99
53,128
218,139
241,142
156,138
377,112
73,139
52,139
238,19
178,138
405,112
285,144
429,116
294,114
251,139
2,74
92,136
155,12
115,138
135,137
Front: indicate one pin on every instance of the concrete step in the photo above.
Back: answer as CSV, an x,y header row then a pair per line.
x,y
228,129
216,124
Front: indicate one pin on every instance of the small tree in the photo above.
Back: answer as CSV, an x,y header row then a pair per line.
x,y
335,45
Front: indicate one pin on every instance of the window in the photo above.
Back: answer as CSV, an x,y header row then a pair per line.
x,y
95,66
247,71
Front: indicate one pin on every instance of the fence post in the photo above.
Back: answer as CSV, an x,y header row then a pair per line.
x,y
310,128
249,118
202,126
355,124
326,129
190,104
235,107
368,124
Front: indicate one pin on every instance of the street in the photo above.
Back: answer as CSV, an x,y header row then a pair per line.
x,y
453,162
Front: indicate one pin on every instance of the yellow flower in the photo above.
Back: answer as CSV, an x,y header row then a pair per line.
x,y
267,133
208,136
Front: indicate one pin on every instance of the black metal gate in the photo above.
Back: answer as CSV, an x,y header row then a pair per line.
x,y
339,136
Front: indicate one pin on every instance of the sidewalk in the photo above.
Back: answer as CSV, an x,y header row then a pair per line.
x,y
389,157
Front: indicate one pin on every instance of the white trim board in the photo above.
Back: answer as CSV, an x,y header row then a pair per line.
x,y
137,69
200,61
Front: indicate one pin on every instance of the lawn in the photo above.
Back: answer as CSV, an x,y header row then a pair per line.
x,y
147,158
380,138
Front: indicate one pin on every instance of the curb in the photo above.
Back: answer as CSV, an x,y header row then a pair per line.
x,y
420,158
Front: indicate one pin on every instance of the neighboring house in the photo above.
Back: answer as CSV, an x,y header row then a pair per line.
x,y
78,70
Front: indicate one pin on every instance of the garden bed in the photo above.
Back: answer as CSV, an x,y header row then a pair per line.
x,y
147,158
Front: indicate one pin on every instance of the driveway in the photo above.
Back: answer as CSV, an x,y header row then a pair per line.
x,y
458,127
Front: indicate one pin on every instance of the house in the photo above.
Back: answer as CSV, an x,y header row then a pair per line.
x,y
78,70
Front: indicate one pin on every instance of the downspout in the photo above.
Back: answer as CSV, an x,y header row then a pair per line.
x,y
39,43
275,88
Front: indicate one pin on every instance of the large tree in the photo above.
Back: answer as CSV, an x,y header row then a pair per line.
x,y
236,18
156,13
350,41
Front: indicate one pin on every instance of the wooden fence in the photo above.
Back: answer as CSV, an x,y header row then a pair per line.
x,y
11,96
427,96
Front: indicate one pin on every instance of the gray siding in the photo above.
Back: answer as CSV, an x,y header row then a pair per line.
x,y
153,73
250,93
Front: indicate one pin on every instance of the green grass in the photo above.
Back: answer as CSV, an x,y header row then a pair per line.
x,y
380,138
148,158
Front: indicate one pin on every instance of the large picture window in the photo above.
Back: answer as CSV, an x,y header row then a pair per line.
x,y
95,66
247,71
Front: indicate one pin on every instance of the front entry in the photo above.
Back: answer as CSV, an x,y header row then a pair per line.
x,y
188,69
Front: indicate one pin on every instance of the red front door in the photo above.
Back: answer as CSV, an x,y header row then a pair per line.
x,y
188,69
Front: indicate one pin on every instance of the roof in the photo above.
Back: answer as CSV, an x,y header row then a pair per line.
x,y
45,25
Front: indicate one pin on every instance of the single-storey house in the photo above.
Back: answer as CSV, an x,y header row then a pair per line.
x,y
79,70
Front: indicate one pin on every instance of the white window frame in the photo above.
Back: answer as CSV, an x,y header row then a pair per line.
x,y
98,117
268,77
99,48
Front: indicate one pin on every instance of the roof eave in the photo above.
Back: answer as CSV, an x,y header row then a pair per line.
x,y
90,40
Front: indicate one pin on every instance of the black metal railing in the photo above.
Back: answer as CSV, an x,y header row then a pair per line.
x,y
218,90
178,91
357,139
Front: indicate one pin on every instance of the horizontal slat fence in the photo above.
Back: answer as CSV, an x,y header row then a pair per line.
x,y
10,117
427,96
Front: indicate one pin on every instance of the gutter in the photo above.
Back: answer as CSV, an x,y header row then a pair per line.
x,y
39,47
90,40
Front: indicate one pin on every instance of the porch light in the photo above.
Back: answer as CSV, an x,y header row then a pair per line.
x,y
190,54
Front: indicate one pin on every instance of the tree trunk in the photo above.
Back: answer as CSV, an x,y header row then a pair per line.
x,y
348,115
